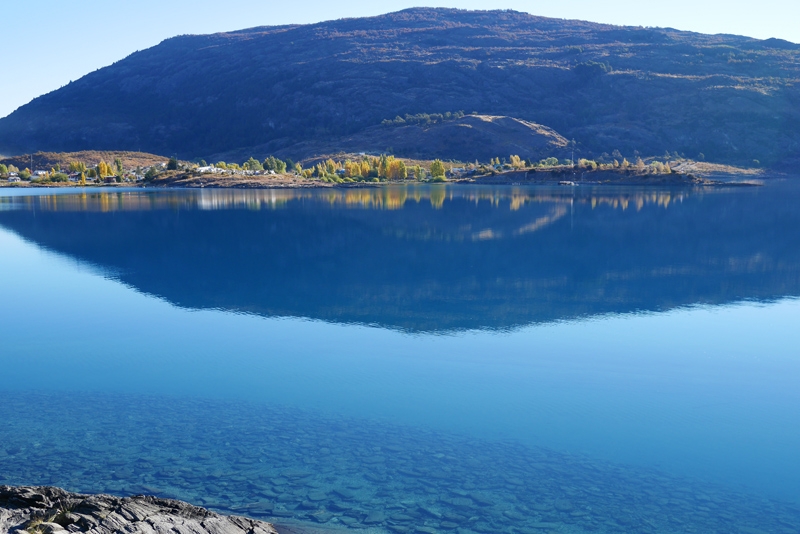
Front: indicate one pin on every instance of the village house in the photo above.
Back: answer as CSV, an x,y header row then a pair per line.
x,y
208,169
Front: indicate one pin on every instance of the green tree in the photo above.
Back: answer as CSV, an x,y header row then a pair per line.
x,y
120,168
330,167
437,169
24,175
3,169
77,166
252,164
274,164
172,164
549,162
151,173
91,173
383,166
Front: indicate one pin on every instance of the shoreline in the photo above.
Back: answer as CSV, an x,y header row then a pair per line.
x,y
562,177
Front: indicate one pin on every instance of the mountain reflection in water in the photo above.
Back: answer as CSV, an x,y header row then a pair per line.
x,y
430,258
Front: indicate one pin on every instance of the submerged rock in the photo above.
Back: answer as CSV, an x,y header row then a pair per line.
x,y
53,511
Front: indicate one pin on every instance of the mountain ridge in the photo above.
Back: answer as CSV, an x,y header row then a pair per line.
x,y
636,90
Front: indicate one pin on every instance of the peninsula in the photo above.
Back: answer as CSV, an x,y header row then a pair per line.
x,y
147,170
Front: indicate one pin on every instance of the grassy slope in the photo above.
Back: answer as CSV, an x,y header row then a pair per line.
x,y
47,160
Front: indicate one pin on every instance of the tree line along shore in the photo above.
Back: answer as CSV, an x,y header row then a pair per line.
x,y
343,169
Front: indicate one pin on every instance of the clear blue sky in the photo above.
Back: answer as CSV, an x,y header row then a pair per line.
x,y
46,43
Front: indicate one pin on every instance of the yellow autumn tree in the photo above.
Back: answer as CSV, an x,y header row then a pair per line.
x,y
396,170
352,169
104,169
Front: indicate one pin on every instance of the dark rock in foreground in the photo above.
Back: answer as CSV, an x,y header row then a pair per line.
x,y
49,510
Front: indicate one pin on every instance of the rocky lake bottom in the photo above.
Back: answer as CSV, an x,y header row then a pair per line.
x,y
297,467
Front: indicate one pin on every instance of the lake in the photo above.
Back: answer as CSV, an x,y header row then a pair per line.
x,y
401,359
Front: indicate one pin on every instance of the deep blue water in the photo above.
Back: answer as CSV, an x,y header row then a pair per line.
x,y
444,358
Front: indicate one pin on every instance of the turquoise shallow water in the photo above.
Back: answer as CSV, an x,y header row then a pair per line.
x,y
442,358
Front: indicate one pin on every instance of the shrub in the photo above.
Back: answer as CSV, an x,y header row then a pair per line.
x,y
549,162
437,169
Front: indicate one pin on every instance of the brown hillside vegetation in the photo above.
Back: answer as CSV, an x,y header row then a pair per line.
x,y
468,138
48,160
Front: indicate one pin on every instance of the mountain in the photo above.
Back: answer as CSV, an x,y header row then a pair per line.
x,y
300,90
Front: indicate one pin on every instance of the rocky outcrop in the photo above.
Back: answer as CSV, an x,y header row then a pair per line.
x,y
48,510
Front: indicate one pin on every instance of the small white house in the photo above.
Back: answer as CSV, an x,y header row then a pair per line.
x,y
40,173
14,179
208,169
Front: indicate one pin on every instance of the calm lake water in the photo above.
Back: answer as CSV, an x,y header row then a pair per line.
x,y
411,359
